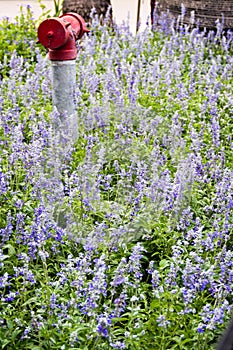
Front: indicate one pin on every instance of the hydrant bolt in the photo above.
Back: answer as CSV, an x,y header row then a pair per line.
x,y
50,34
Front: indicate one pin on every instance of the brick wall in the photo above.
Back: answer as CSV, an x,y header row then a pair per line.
x,y
206,12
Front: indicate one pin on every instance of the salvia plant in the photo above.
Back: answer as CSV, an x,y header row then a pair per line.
x,y
123,238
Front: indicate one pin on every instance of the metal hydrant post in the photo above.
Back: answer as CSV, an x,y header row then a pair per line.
x,y
59,36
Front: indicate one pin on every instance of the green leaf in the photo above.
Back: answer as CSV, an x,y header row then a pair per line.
x,y
155,304
5,342
31,300
11,249
33,347
10,324
164,263
15,333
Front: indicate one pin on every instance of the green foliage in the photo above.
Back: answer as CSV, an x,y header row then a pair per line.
x,y
20,36
57,7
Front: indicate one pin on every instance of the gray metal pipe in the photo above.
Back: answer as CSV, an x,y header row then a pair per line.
x,y
63,94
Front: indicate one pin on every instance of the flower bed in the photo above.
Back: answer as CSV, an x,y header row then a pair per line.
x,y
122,240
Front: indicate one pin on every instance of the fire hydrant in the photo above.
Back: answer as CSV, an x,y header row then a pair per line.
x,y
59,36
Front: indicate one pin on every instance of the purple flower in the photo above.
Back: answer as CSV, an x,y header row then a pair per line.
x,y
120,304
103,325
4,280
26,333
53,300
162,321
134,264
118,345
5,233
4,183
120,274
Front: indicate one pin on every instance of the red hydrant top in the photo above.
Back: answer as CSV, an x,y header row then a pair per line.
x,y
59,35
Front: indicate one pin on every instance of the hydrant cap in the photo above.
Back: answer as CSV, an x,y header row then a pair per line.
x,y
52,33
77,23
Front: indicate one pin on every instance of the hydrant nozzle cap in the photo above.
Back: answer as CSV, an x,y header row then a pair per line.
x,y
77,23
52,33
